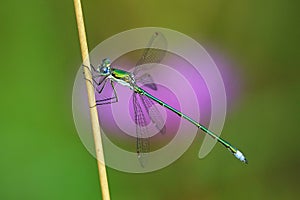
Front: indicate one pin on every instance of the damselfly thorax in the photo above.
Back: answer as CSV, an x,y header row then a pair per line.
x,y
122,77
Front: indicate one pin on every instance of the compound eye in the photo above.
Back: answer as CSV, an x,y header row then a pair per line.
x,y
104,70
106,61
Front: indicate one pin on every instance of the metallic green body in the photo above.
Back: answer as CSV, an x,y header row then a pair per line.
x,y
127,79
120,73
200,126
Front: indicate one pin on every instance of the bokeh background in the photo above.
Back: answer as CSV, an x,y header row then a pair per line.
x,y
41,155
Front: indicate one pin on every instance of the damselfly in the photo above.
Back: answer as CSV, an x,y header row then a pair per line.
x,y
130,79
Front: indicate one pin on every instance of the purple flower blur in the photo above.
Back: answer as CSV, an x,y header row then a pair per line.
x,y
118,118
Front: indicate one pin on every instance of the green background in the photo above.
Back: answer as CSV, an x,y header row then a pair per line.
x,y
41,155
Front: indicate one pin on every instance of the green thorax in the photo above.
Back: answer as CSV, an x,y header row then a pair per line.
x,y
120,74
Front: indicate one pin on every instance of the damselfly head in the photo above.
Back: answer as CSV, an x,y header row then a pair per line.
x,y
104,68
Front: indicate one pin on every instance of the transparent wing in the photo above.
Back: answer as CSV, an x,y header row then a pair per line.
x,y
142,141
154,53
154,114
146,80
